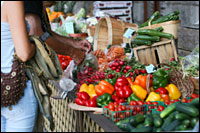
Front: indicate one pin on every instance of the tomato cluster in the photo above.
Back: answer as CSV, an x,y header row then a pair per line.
x,y
64,61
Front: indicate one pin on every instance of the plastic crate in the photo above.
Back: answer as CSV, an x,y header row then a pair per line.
x,y
151,108
116,116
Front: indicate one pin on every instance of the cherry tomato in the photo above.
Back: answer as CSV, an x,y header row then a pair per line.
x,y
167,102
138,109
140,103
111,106
176,100
121,116
161,108
133,103
123,108
155,103
190,100
148,102
194,96
184,100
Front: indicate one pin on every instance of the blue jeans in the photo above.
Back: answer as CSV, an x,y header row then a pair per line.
x,y
22,116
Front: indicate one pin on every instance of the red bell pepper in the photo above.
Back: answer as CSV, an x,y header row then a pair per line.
x,y
124,92
118,99
121,82
82,97
162,90
92,102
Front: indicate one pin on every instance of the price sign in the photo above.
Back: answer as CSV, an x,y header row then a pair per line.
x,y
151,68
129,32
69,27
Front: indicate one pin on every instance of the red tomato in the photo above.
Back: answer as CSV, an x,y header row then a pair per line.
x,y
155,103
194,96
176,100
150,111
190,100
111,106
123,108
184,100
138,109
167,102
121,116
148,102
140,102
161,108
133,103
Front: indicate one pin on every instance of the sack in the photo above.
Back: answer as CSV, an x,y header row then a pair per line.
x,y
13,84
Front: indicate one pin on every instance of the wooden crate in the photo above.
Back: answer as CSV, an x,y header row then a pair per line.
x,y
157,53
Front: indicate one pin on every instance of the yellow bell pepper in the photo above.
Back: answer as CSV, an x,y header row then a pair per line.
x,y
153,97
139,91
89,89
174,92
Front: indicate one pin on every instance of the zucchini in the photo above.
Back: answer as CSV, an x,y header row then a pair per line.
x,y
167,17
141,42
154,33
149,120
159,130
169,109
142,129
148,38
159,29
189,110
140,125
137,119
172,126
181,116
168,120
154,16
193,122
195,102
126,126
157,120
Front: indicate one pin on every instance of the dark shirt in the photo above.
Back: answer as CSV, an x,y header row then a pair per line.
x,y
36,7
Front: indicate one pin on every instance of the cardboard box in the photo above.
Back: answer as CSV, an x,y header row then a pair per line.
x,y
114,12
111,4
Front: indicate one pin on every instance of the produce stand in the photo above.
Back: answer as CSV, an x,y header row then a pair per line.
x,y
133,80
68,120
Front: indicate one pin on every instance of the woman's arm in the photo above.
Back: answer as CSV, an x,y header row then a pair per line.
x,y
16,19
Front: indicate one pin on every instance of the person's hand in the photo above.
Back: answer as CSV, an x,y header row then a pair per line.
x,y
85,45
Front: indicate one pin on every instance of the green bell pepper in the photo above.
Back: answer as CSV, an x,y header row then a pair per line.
x,y
160,79
105,99
111,81
133,97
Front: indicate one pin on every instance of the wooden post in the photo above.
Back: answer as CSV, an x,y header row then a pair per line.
x,y
145,11
156,6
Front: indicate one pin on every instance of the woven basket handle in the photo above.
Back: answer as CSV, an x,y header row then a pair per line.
x,y
147,83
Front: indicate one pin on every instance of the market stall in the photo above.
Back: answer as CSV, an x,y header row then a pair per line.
x,y
133,80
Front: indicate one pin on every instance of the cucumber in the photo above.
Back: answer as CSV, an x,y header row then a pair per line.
x,y
159,130
141,42
154,33
140,125
142,129
122,121
186,122
157,120
172,126
169,109
189,110
126,126
148,38
181,128
137,119
168,120
193,122
182,116
149,120
195,102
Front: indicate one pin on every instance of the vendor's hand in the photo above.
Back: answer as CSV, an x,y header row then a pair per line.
x,y
85,45
78,57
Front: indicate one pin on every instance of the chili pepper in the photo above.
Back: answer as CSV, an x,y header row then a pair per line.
x,y
124,92
89,89
130,81
160,79
111,81
174,92
161,90
104,87
105,99
165,97
139,91
133,97
153,97
142,81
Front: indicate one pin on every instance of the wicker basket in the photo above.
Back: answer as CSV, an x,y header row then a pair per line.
x,y
168,27
195,81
